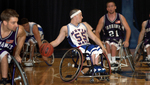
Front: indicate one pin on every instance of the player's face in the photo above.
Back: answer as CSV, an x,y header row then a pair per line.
x,y
79,17
12,23
26,26
111,8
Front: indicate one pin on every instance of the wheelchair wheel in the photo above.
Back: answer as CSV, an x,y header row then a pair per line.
x,y
138,53
130,58
71,65
104,62
50,58
18,75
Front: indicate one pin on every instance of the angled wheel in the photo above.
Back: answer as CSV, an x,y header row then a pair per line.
x,y
50,58
71,65
104,63
18,75
138,53
130,58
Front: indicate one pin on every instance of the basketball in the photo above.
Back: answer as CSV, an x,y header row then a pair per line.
x,y
46,49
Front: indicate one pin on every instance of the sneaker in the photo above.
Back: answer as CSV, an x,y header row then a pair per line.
x,y
98,69
29,63
114,65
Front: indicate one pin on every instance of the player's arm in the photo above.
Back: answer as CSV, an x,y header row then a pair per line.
x,y
99,27
37,35
128,30
141,35
21,36
61,37
94,37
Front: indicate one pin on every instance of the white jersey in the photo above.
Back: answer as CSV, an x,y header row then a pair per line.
x,y
31,24
77,35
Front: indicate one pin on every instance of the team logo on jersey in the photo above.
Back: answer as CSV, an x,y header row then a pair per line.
x,y
117,22
9,41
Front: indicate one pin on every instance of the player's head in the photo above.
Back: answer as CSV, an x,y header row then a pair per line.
x,y
9,18
76,14
111,7
25,23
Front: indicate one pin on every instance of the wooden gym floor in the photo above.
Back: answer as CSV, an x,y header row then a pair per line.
x,y
41,74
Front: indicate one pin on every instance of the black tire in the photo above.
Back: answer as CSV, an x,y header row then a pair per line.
x,y
71,65
18,74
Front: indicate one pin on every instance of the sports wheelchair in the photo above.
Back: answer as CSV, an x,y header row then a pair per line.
x,y
123,58
16,74
72,64
140,55
27,55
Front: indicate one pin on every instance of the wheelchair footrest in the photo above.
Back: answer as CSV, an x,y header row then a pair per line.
x,y
95,76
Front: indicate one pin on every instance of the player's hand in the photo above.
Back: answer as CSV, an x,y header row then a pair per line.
x,y
104,50
18,58
126,43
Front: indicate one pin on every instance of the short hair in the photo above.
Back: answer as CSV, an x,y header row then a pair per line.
x,y
24,21
8,13
110,2
73,11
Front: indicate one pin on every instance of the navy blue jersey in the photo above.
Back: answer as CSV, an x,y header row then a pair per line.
x,y
147,30
113,29
9,42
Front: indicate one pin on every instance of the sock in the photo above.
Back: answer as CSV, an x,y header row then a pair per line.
x,y
114,59
109,57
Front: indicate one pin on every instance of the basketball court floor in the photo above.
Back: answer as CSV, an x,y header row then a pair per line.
x,y
41,74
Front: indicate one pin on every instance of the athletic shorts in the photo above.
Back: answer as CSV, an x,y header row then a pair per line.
x,y
114,42
92,49
3,53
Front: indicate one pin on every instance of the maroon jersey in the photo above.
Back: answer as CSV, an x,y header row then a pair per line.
x,y
9,42
113,29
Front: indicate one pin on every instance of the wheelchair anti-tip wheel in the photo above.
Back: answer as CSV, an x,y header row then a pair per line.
x,y
71,65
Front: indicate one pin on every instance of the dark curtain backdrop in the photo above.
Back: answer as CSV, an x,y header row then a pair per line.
x,y
142,9
53,14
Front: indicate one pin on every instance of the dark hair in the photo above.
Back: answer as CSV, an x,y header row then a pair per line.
x,y
24,21
73,11
110,1
8,13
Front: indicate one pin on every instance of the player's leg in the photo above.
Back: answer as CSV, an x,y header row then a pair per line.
x,y
114,53
148,52
4,68
109,52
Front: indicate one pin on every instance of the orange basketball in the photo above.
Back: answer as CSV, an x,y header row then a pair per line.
x,y
46,49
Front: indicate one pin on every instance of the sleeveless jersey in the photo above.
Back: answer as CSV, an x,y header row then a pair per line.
x,y
147,30
113,29
30,34
77,35
9,42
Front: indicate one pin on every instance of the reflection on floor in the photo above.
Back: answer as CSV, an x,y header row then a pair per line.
x,y
41,74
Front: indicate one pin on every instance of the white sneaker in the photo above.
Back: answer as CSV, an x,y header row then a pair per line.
x,y
29,63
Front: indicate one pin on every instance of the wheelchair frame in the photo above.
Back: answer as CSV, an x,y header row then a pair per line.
x,y
71,66
123,54
36,54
